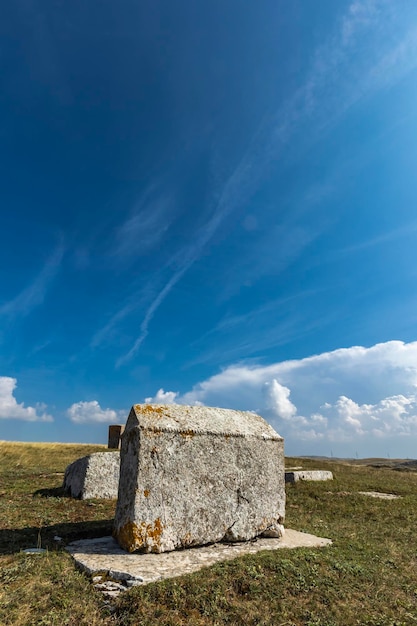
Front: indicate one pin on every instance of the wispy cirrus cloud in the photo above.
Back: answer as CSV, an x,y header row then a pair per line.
x,y
373,46
382,239
34,294
363,55
156,303
103,333
360,15
187,256
145,227
274,324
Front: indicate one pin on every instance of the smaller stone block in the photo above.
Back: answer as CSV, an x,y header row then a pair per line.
x,y
115,432
94,476
294,477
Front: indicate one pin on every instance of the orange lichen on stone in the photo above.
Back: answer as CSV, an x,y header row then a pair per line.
x,y
186,540
146,493
156,531
133,537
128,537
157,411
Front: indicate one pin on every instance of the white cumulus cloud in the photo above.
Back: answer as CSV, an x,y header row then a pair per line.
x,y
163,397
11,409
279,400
346,400
87,412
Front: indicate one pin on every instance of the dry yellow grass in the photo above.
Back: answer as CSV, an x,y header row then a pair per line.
x,y
368,576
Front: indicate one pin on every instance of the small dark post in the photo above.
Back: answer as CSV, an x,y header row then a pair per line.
x,y
115,432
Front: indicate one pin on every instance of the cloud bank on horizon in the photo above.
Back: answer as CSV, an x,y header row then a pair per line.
x,y
348,396
343,399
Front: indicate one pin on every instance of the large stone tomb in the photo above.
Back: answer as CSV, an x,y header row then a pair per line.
x,y
194,475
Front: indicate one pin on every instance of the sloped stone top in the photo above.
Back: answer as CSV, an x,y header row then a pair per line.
x,y
195,420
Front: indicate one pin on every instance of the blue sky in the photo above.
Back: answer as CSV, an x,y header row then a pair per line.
x,y
210,202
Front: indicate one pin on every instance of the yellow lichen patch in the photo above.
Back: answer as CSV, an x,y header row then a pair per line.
x,y
147,409
146,493
154,532
129,537
186,540
133,537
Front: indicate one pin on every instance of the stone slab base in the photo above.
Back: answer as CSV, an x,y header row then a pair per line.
x,y
104,555
378,494
295,476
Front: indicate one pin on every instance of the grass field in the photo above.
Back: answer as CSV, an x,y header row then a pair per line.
x,y
368,576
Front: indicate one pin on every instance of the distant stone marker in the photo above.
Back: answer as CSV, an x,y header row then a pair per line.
x,y
295,476
93,476
115,433
193,475
378,494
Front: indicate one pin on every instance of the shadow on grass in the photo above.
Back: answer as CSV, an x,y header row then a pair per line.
x,y
55,492
54,537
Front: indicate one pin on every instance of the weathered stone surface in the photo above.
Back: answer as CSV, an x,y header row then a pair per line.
x,y
115,433
197,475
293,477
93,476
104,555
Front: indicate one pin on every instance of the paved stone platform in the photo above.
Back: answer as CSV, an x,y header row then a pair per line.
x,y
103,555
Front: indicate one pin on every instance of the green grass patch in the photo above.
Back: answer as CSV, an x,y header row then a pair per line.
x,y
367,577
